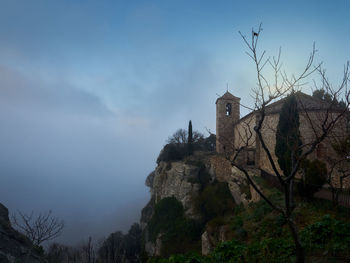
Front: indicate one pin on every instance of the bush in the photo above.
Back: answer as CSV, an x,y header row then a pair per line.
x,y
172,152
179,234
230,251
315,175
271,250
215,201
166,213
206,144
177,149
328,234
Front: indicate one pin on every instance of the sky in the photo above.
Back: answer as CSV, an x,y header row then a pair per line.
x,y
91,90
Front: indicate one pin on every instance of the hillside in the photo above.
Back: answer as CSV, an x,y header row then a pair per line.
x,y
202,206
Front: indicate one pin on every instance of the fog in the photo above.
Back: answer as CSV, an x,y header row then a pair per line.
x,y
90,91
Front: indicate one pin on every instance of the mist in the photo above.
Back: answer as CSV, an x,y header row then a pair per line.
x,y
91,90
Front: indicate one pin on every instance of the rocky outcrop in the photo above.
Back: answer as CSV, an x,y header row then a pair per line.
x,y
184,180
179,180
212,237
14,247
236,180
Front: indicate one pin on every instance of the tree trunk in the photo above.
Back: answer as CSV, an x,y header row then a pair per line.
x,y
298,247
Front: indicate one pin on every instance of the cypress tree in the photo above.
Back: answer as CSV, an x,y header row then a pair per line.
x,y
190,139
288,135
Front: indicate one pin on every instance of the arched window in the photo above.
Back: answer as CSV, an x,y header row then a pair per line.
x,y
228,109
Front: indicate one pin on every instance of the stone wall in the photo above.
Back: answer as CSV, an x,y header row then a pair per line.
x,y
310,125
225,123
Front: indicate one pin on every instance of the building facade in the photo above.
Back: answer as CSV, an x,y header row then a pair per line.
x,y
234,132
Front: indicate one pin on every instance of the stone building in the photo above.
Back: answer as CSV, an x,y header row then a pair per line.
x,y
233,131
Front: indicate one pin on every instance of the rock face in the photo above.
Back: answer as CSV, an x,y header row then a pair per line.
x,y
14,247
236,180
212,237
171,179
179,180
183,180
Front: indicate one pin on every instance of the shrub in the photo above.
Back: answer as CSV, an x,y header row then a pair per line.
x,y
230,251
315,174
327,234
271,250
166,212
179,234
215,201
171,152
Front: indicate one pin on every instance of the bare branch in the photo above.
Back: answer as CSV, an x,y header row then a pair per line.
x,y
42,228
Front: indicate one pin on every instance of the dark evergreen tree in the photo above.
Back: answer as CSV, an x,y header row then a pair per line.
x,y
288,135
190,139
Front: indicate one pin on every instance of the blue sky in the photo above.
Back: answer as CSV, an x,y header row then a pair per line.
x,y
90,91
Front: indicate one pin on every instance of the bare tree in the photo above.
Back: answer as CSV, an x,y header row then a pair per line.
x,y
339,167
180,137
321,124
89,251
39,228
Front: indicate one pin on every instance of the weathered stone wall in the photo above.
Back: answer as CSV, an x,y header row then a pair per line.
x,y
310,124
225,123
222,168
244,132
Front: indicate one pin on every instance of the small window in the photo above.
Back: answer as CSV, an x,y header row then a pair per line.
x,y
228,109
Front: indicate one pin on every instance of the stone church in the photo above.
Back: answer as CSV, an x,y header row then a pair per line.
x,y
233,131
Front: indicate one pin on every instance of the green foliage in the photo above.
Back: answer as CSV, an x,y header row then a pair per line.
x,y
230,251
268,250
181,258
271,250
178,233
215,201
328,234
171,152
183,143
261,208
288,135
167,212
315,175
262,235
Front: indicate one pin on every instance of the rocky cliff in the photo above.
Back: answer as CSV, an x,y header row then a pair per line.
x,y
198,182
14,247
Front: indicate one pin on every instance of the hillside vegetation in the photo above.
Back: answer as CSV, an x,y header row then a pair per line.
x,y
262,235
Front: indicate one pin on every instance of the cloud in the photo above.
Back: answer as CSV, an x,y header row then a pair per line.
x,y
27,93
63,149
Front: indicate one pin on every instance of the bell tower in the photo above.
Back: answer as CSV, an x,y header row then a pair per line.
x,y
227,114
